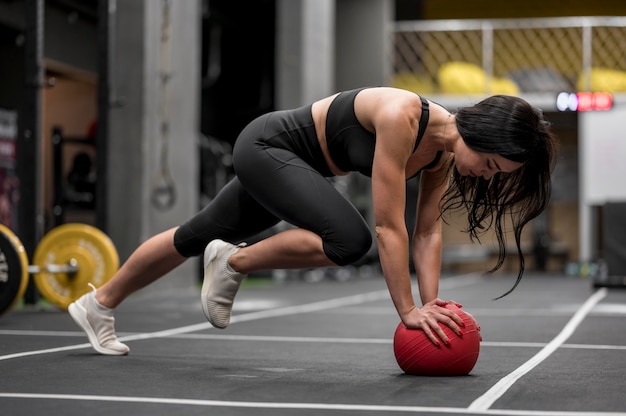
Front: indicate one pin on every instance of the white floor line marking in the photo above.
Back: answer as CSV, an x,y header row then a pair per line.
x,y
447,283
594,347
290,310
300,406
485,401
46,351
40,333
330,340
306,340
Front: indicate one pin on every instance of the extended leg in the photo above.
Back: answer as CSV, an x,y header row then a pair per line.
x,y
93,312
151,260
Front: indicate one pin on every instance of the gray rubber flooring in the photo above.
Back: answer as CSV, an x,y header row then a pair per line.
x,y
555,346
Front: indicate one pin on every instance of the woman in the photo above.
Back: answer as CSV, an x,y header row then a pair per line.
x,y
490,159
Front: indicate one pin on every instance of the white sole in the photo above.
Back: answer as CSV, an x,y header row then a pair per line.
x,y
79,314
209,256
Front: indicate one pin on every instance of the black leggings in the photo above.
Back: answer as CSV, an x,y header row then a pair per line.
x,y
280,175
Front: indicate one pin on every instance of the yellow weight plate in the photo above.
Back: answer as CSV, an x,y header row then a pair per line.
x,y
13,269
91,249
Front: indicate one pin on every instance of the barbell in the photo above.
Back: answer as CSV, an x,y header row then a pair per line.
x,y
66,260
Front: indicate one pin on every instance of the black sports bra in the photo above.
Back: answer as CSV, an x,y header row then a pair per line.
x,y
350,145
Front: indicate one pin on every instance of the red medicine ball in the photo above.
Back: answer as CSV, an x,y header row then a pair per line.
x,y
416,354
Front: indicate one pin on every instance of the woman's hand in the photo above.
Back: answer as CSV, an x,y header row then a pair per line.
x,y
427,317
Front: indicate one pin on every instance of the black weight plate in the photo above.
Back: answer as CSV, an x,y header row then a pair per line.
x,y
13,269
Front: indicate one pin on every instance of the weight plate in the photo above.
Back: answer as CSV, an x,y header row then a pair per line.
x,y
93,251
13,269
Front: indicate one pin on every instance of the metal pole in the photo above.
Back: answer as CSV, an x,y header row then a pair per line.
x,y
106,21
587,43
30,220
58,209
487,31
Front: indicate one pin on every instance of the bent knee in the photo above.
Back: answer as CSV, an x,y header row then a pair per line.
x,y
350,249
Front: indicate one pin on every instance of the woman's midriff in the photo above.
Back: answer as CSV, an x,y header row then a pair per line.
x,y
319,110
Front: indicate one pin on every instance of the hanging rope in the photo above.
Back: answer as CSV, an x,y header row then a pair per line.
x,y
164,188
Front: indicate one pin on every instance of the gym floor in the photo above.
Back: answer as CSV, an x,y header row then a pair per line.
x,y
555,346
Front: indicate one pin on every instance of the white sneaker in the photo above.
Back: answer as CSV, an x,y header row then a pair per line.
x,y
98,325
220,284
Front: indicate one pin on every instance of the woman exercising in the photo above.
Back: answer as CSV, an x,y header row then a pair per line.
x,y
490,159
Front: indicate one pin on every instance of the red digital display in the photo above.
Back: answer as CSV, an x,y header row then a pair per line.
x,y
584,101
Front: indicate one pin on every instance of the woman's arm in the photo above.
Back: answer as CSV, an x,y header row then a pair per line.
x,y
427,237
393,245
389,201
395,124
392,239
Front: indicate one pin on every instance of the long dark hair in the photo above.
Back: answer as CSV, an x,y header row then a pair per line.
x,y
512,128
